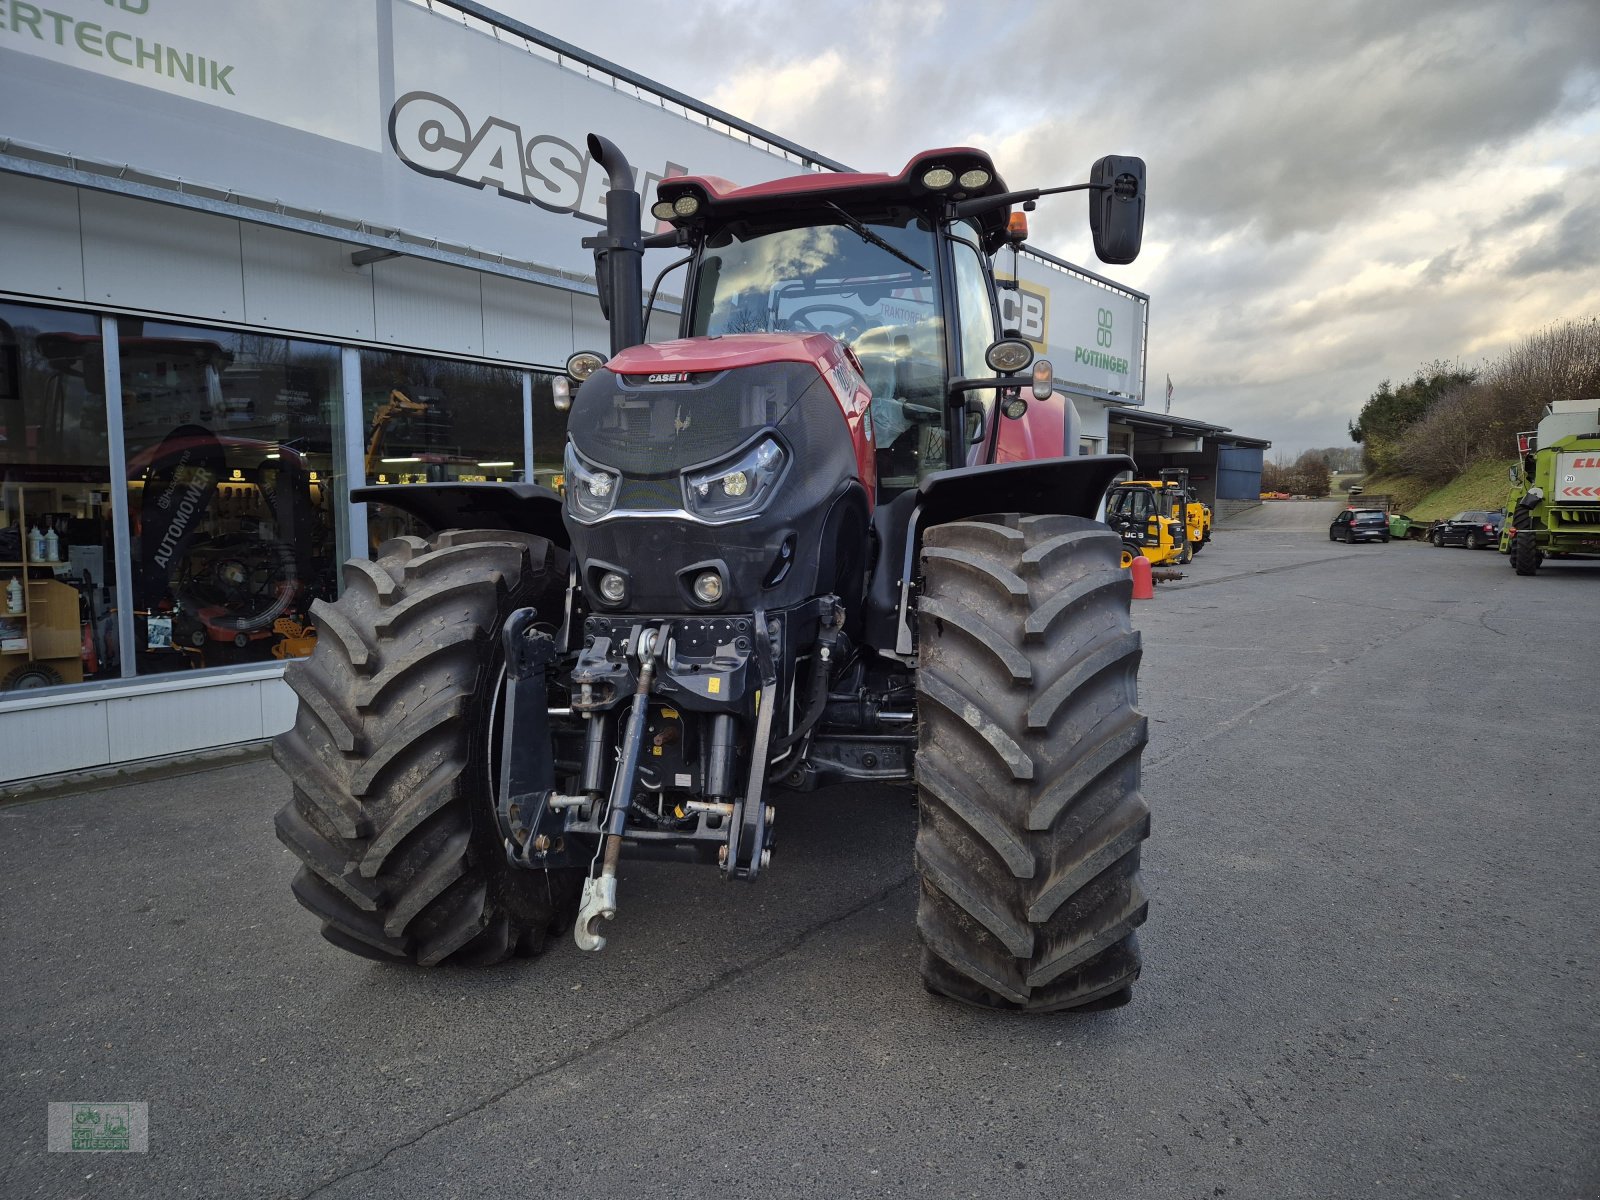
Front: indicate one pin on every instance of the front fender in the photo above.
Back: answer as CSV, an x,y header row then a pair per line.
x,y
1066,486
522,507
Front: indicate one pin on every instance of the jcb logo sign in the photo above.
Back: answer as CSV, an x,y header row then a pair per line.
x,y
1027,311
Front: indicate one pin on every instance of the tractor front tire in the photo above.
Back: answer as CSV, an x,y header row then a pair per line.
x,y
1030,813
392,810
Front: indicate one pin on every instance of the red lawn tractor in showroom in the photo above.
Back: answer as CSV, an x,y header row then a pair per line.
x,y
836,535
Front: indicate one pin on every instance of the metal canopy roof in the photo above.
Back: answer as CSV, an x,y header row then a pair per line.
x,y
1165,424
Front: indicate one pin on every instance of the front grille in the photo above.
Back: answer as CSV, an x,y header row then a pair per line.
x,y
1576,518
650,494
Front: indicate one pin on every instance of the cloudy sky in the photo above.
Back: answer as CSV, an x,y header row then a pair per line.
x,y
1339,192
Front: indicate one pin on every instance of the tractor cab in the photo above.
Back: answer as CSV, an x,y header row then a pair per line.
x,y
894,268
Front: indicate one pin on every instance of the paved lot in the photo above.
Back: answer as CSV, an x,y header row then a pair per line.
x,y
1370,965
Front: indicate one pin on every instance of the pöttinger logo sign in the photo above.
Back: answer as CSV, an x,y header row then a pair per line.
x,y
99,1126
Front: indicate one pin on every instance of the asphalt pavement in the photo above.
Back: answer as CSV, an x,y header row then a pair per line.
x,y
1369,966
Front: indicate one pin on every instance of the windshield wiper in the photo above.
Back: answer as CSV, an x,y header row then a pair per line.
x,y
872,239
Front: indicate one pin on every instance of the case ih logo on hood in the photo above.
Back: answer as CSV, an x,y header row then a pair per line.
x,y
433,136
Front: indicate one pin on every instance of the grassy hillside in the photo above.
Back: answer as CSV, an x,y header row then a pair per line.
x,y
1482,485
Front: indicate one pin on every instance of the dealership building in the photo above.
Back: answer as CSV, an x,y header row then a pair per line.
x,y
247,266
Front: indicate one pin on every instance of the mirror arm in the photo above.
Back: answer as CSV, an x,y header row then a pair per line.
x,y
960,386
983,204
666,241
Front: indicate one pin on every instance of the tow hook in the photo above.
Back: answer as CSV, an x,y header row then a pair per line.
x,y
599,898
599,903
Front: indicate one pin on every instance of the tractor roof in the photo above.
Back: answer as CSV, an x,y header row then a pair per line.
x,y
719,200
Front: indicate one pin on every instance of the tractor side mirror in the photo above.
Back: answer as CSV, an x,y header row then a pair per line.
x,y
1516,476
1116,207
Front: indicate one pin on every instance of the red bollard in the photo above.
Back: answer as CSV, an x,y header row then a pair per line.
x,y
1144,587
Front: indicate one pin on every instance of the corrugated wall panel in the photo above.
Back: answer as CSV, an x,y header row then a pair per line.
x,y
428,305
1239,473
278,704
45,741
589,328
292,281
41,252
146,255
174,722
526,322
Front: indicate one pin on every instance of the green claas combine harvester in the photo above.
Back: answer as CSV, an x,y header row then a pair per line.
x,y
806,544
1553,510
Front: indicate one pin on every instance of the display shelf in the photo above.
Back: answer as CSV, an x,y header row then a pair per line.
x,y
48,625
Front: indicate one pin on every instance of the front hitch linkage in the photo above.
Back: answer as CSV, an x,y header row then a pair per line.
x,y
599,901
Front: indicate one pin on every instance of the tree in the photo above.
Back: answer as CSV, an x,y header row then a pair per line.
x,y
1480,420
1390,411
1311,475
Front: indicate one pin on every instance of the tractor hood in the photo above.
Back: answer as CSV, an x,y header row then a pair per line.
x,y
656,409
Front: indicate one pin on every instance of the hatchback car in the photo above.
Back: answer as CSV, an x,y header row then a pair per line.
x,y
1360,525
1474,529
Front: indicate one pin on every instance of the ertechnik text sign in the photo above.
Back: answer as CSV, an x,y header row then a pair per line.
x,y
379,111
235,58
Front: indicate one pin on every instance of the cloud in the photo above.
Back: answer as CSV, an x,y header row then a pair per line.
x,y
1338,192
1572,245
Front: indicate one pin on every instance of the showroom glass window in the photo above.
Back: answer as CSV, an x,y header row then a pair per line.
x,y
232,471
57,568
549,434
436,420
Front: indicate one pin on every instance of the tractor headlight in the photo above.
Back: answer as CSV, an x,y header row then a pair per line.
x,y
739,486
591,492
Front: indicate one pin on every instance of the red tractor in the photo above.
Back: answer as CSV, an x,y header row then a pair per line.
x,y
834,535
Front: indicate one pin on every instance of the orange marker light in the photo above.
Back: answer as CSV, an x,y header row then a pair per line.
x,y
1017,227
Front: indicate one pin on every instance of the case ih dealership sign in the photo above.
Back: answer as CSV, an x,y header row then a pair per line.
x,y
400,117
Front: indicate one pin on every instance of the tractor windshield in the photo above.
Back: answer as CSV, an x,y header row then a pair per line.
x,y
830,278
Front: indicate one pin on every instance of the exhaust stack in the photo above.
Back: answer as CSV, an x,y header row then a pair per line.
x,y
619,252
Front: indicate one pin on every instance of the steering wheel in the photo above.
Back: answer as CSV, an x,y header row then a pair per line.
x,y
801,319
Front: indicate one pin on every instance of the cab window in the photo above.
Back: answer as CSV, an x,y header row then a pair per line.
x,y
975,329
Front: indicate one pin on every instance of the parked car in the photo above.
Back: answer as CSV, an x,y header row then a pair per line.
x,y
1360,525
1474,529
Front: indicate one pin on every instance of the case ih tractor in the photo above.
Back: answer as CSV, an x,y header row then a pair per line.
x,y
833,536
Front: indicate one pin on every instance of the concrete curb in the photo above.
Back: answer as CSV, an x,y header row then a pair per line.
x,y
45,787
